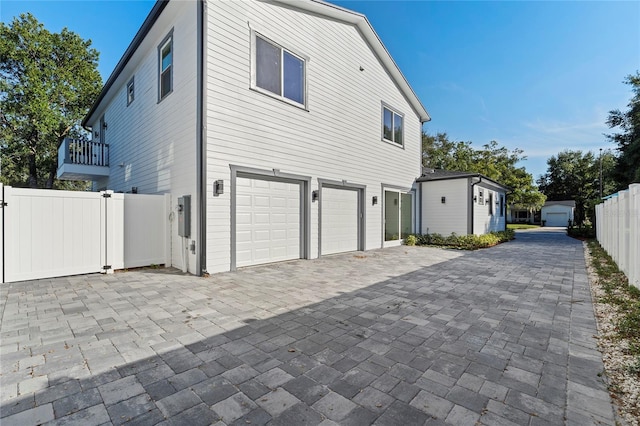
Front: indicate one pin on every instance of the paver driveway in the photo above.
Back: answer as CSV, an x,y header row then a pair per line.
x,y
401,336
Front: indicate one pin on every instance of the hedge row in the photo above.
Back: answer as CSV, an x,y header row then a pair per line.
x,y
462,242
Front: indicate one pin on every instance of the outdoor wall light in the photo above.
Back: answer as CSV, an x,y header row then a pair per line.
x,y
218,188
134,189
374,200
314,195
104,125
443,200
475,198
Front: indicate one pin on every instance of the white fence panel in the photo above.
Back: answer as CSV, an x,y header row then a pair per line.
x,y
145,237
618,230
51,233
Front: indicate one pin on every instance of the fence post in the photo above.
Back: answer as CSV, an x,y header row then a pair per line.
x,y
634,234
1,233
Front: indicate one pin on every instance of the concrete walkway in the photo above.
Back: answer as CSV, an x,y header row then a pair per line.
x,y
401,336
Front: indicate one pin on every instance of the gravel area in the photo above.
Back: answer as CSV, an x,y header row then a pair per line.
x,y
624,385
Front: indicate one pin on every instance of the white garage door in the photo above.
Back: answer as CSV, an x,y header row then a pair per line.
x,y
557,219
267,221
339,220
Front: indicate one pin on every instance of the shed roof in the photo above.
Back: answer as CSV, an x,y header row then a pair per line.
x,y
568,203
431,175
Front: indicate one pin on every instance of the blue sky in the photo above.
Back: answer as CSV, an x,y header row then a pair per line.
x,y
540,76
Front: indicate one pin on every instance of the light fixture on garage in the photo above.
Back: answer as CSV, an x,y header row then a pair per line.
x,y
374,200
218,188
314,195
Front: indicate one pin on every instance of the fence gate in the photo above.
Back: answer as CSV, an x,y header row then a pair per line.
x,y
47,233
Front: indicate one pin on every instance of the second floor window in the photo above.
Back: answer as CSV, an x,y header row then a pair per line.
x,y
131,93
165,78
279,71
392,126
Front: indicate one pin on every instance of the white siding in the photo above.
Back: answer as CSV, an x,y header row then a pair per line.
x,y
153,145
485,218
338,138
452,216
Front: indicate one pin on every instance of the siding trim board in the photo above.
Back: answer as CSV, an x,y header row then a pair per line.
x,y
201,149
362,217
277,176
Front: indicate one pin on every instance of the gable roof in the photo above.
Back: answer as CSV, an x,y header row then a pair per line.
x,y
318,7
431,175
568,203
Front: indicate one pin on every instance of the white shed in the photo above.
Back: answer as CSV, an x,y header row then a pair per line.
x,y
558,213
461,202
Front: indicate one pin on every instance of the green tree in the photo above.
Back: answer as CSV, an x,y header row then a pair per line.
x,y
574,175
48,81
627,169
494,161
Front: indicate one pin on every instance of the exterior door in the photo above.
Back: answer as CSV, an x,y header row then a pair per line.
x,y
398,216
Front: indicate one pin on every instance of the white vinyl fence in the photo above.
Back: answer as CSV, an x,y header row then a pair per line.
x,y
618,230
48,233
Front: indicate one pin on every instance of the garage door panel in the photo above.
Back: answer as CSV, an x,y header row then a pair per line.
x,y
267,226
339,220
557,219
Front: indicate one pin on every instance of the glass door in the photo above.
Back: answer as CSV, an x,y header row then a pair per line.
x,y
398,215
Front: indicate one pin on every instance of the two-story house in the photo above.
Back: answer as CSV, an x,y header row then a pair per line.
x,y
287,123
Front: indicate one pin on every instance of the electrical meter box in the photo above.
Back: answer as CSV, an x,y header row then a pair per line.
x,y
184,216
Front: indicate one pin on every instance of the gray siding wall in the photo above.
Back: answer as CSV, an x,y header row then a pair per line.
x,y
484,220
153,145
452,216
337,138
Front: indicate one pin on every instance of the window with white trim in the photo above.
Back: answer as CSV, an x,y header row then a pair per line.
x,y
491,203
165,70
392,126
130,91
278,71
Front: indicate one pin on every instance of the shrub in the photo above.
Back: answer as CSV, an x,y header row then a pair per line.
x,y
411,240
462,242
584,230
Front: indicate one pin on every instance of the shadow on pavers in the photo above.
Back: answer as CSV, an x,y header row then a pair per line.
x,y
480,338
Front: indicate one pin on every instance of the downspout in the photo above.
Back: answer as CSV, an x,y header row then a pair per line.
x,y
201,178
473,202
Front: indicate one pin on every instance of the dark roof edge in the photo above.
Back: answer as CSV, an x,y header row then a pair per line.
x,y
464,176
133,46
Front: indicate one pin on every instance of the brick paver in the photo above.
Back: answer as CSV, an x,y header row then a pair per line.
x,y
400,336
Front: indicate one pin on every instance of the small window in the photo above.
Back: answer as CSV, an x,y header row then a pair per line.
x,y
165,71
392,126
131,93
480,197
501,205
491,203
279,71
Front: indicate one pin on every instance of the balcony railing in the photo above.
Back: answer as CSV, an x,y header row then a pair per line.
x,y
89,153
82,160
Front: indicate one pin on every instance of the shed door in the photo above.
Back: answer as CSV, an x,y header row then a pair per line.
x,y
557,219
268,221
339,220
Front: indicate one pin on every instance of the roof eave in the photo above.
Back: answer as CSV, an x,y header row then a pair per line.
x,y
155,12
359,20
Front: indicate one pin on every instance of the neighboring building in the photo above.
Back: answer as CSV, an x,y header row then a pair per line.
x,y
462,203
286,122
558,213
522,215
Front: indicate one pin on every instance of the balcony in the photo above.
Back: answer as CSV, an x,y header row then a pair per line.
x,y
82,160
